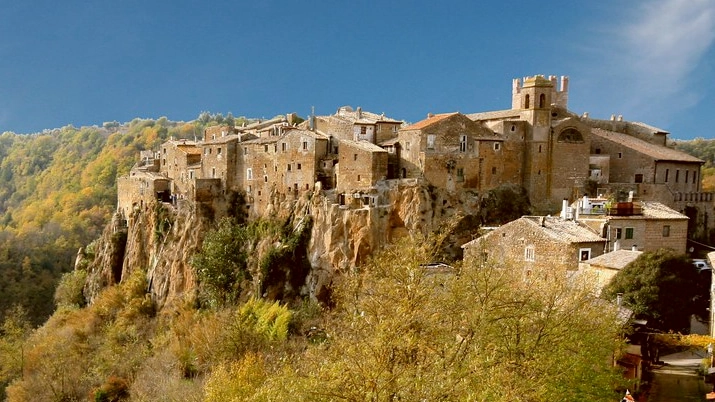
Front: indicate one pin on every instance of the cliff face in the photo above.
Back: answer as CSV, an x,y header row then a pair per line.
x,y
161,239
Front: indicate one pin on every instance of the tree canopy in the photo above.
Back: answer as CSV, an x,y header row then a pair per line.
x,y
662,287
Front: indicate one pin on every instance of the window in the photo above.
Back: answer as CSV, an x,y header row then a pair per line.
x,y
289,167
218,151
354,157
666,230
249,174
430,141
206,151
245,150
695,174
394,129
363,130
305,145
542,101
686,175
297,166
629,233
620,155
539,148
460,174
529,253
358,178
666,174
677,174
213,172
639,178
462,143
584,254
526,101
597,151
619,233
513,127
283,147
494,170
497,146
265,148
265,179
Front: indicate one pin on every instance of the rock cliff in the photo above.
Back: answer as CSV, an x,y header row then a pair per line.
x,y
162,238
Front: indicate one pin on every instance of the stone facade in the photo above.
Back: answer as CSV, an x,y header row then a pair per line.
x,y
537,244
361,165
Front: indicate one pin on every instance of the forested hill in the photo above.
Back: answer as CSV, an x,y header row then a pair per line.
x,y
57,191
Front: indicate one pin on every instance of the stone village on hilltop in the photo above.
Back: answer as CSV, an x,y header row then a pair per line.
x,y
538,144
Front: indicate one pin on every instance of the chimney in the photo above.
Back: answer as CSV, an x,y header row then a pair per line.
x,y
430,115
359,112
542,221
634,248
564,208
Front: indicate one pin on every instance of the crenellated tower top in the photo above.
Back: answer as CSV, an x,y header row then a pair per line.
x,y
539,92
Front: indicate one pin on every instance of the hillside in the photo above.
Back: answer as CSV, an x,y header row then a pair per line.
x,y
159,318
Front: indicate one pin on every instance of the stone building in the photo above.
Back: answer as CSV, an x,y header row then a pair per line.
x,y
178,159
451,151
360,166
603,268
142,186
539,131
637,225
537,244
357,125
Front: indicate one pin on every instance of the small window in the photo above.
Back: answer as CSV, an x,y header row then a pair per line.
x,y
513,127
686,175
497,146
297,166
667,171
462,143
265,179
358,177
526,101
540,148
284,147
249,174
620,155
584,254
639,178
245,150
305,145
597,151
494,170
213,173
542,101
363,130
218,151
289,167
265,148
394,129
629,233
619,233
529,253
354,157
460,174
666,230
677,175
695,174
430,141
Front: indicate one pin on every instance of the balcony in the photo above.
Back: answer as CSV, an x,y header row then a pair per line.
x,y
624,209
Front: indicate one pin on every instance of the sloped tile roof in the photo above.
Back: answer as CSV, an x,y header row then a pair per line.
x,y
566,231
429,121
615,259
656,152
497,114
364,145
656,210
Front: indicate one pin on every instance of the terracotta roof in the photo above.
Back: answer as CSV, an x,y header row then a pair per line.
x,y
659,153
390,142
429,121
566,231
189,149
223,140
615,259
262,140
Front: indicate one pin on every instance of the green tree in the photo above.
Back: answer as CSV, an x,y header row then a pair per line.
x,y
660,286
504,204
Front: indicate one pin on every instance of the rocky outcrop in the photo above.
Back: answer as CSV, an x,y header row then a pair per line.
x,y
162,238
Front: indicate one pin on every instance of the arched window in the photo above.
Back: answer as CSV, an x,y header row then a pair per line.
x,y
542,101
570,135
526,101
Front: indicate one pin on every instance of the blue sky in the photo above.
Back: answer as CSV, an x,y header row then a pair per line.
x,y
86,62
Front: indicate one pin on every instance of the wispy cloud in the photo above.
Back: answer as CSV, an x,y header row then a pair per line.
x,y
656,50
